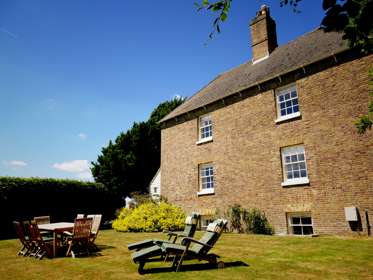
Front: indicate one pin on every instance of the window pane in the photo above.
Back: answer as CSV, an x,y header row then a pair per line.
x,y
307,230
281,98
296,108
306,220
290,175
302,165
289,111
295,101
303,173
282,105
289,167
287,96
288,103
283,112
295,220
293,94
296,174
297,230
287,159
301,157
294,158
296,166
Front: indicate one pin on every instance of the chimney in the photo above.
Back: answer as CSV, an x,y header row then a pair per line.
x,y
263,34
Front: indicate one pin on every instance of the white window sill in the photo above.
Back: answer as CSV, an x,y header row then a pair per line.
x,y
295,182
204,140
287,117
206,191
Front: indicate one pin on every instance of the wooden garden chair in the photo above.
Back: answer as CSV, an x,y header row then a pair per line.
x,y
79,238
42,220
43,246
23,238
96,222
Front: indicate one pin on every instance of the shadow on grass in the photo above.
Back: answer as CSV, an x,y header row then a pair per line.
x,y
104,247
194,267
81,252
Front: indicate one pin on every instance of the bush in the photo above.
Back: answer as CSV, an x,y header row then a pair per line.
x,y
234,214
150,217
249,221
256,222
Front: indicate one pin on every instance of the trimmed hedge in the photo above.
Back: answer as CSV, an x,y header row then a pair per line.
x,y
24,198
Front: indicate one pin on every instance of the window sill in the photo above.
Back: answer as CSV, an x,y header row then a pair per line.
x,y
204,140
206,192
303,181
287,117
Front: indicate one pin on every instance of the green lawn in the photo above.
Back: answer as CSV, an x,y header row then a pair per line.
x,y
245,256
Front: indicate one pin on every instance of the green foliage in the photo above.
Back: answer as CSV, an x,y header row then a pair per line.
x,y
222,7
256,222
129,164
234,213
354,18
24,198
251,221
365,122
150,217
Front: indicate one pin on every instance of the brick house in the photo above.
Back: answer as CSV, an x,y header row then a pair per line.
x,y
277,133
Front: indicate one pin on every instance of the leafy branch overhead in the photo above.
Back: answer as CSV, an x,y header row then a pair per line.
x,y
221,7
353,18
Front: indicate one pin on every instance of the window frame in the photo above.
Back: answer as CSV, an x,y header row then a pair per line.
x,y
210,190
302,225
200,127
292,151
280,92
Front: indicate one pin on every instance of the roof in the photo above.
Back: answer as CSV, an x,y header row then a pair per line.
x,y
309,48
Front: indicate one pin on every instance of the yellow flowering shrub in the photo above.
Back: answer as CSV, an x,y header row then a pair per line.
x,y
150,217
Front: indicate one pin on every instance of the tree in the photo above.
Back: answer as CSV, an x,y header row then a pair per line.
x,y
352,17
129,164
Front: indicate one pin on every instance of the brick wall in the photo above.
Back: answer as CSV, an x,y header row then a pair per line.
x,y
246,153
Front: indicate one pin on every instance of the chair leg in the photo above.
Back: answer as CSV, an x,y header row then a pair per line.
x,y
180,262
141,267
69,249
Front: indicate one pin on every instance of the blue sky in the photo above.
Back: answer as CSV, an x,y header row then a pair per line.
x,y
76,73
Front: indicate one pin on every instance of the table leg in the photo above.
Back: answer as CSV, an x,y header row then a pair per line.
x,y
54,243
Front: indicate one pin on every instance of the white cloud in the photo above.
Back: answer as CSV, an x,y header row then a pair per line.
x,y
82,136
75,166
87,176
16,163
80,167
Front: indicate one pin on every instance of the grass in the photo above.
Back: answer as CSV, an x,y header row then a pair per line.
x,y
245,256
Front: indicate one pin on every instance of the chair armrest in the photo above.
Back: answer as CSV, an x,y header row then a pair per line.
x,y
173,234
68,233
189,240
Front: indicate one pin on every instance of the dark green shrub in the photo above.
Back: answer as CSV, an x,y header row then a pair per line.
x,y
249,221
234,214
256,222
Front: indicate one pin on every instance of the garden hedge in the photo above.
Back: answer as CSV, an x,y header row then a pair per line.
x,y
23,198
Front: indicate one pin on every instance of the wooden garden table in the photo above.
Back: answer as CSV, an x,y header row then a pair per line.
x,y
56,228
